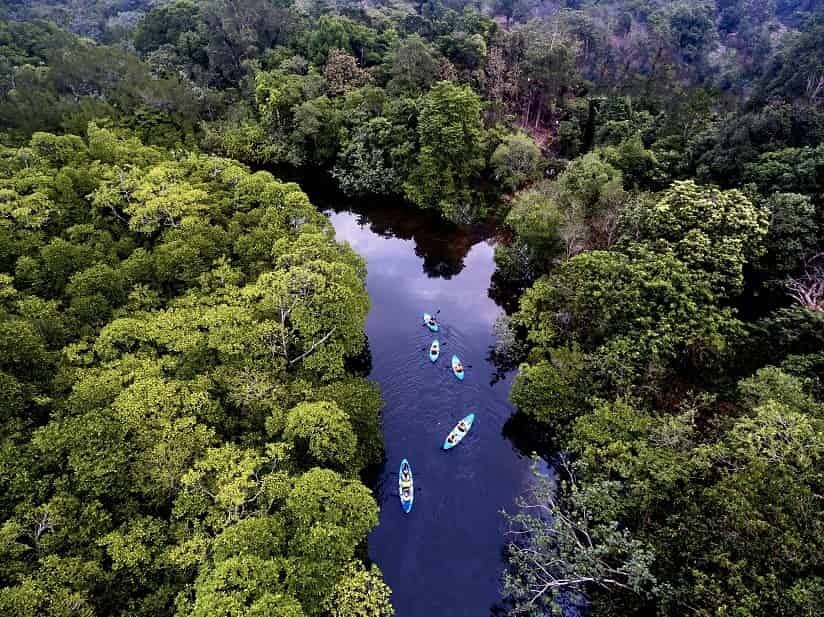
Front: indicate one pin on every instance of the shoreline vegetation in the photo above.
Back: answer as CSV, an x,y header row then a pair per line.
x,y
180,430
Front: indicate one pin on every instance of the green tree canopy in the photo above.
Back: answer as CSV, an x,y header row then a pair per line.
x,y
450,135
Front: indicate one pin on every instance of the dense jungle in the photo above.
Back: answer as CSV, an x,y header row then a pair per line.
x,y
197,416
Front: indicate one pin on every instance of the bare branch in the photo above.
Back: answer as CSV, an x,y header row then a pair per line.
x,y
808,288
314,346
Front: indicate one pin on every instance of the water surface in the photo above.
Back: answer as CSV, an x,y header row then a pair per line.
x,y
445,558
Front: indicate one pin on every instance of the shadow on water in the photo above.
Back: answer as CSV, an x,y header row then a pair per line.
x,y
527,435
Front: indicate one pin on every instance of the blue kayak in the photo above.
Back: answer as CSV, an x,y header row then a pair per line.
x,y
434,350
432,326
406,489
459,432
456,365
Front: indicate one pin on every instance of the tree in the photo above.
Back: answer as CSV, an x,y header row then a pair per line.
x,y
362,403
562,544
548,69
639,166
237,32
554,391
336,32
414,67
163,25
244,586
807,289
342,73
330,516
450,135
713,231
315,134
639,313
537,221
797,70
516,161
365,163
688,28
362,593
323,497
153,200
592,184
311,311
792,235
517,10
322,435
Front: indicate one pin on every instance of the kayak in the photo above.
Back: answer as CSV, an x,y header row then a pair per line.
x,y
455,361
456,434
434,350
406,489
432,327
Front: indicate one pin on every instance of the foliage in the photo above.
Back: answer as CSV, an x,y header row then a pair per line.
x,y
516,161
561,547
159,315
792,235
321,434
639,313
413,67
537,221
451,136
175,408
713,231
365,164
342,73
362,593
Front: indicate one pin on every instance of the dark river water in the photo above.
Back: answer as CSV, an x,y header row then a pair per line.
x,y
445,558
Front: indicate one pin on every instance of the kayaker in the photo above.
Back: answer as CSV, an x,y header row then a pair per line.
x,y
406,493
462,426
405,474
458,367
432,321
451,438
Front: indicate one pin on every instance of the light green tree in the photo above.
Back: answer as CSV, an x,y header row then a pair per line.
x,y
712,231
322,435
516,161
361,593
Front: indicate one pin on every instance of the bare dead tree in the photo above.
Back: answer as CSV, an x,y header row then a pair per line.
x,y
40,523
573,232
808,288
558,545
815,86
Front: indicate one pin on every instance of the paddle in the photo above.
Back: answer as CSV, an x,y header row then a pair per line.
x,y
418,489
449,368
429,346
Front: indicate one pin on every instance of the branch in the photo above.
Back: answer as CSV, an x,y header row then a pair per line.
x,y
314,346
808,289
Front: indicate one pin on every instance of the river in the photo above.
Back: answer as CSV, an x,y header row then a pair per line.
x,y
445,558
